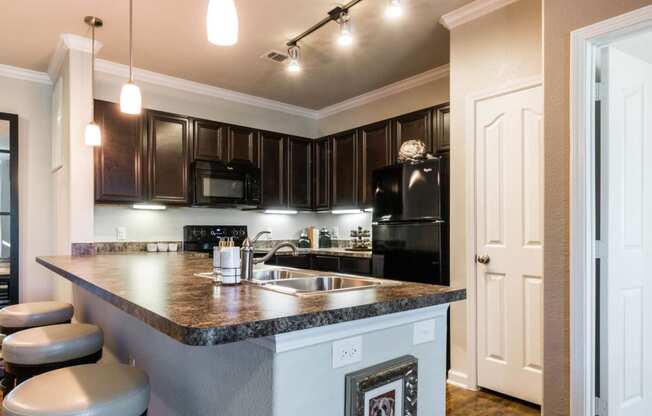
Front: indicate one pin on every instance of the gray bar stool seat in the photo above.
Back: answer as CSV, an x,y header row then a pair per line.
x,y
94,389
37,350
15,318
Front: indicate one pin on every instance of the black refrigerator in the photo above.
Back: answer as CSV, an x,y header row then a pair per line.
x,y
410,222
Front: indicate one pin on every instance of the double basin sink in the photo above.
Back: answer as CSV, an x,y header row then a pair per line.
x,y
303,283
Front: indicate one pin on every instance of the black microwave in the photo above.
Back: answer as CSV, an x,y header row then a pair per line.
x,y
233,184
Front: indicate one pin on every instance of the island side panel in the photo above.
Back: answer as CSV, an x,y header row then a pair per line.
x,y
306,384
227,380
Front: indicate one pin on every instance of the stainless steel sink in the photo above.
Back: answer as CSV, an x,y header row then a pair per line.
x,y
320,284
262,276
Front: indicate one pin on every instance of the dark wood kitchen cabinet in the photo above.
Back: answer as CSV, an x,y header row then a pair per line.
x,y
242,144
118,162
321,169
272,169
300,173
168,156
413,126
344,170
209,140
374,151
442,128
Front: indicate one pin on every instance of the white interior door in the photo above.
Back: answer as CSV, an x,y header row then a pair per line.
x,y
628,193
509,242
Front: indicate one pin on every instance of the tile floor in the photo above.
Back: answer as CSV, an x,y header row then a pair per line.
x,y
462,402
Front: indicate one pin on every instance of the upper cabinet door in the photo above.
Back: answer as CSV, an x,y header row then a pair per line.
x,y
344,170
272,169
321,194
299,173
169,155
209,140
374,149
442,130
243,144
118,164
413,126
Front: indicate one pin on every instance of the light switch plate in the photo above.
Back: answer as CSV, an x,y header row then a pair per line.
x,y
120,233
424,331
347,351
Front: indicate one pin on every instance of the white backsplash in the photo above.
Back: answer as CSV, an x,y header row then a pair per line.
x,y
168,225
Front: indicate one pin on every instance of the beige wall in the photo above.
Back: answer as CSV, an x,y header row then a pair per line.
x,y
485,54
31,101
560,18
427,95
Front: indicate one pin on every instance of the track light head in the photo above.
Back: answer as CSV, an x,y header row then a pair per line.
x,y
346,31
294,52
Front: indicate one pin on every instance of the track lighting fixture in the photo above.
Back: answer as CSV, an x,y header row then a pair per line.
x,y
294,52
92,133
222,22
346,33
131,101
394,9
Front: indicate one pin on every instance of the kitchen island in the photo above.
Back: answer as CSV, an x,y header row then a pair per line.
x,y
246,350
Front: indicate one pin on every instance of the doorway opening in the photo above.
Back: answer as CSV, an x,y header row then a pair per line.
x,y
611,227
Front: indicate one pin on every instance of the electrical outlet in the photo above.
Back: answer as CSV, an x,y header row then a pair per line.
x,y
347,351
424,331
120,233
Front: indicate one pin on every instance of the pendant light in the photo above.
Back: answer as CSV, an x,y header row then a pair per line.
x,y
92,133
131,101
346,32
394,9
294,52
222,22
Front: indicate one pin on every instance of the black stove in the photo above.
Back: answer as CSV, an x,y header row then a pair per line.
x,y
203,238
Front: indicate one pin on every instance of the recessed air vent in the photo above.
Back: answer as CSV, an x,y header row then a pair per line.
x,y
275,56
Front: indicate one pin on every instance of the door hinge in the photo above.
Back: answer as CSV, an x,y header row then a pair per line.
x,y
600,91
601,408
599,249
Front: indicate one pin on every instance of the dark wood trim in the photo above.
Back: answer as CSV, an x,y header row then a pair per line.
x,y
319,182
290,163
14,206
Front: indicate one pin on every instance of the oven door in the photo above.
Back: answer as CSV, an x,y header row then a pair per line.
x,y
224,188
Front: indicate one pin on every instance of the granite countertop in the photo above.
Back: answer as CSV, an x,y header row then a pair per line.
x,y
161,290
335,251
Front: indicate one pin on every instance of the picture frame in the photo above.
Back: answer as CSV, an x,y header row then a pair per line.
x,y
386,389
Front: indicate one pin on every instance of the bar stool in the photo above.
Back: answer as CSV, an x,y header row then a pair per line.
x,y
15,318
93,389
35,351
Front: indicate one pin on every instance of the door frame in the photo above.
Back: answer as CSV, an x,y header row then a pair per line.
x,y
585,43
470,380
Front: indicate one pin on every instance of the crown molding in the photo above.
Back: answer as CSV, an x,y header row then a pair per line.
x,y
155,78
386,91
24,74
69,42
472,11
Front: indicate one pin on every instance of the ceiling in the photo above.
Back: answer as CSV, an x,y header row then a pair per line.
x,y
170,39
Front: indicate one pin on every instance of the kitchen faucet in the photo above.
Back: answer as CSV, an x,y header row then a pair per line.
x,y
247,259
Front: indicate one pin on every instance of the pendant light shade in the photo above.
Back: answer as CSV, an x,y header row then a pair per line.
x,y
131,101
346,31
294,65
92,134
222,22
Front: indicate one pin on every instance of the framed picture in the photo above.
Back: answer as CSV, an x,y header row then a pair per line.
x,y
386,389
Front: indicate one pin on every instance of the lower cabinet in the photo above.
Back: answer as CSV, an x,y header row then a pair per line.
x,y
324,263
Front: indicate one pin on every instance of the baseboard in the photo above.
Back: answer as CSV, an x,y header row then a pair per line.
x,y
459,379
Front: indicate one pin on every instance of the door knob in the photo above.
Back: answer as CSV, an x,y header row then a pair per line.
x,y
484,259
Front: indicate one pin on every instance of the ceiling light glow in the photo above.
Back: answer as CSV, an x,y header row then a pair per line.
x,y
394,9
222,22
